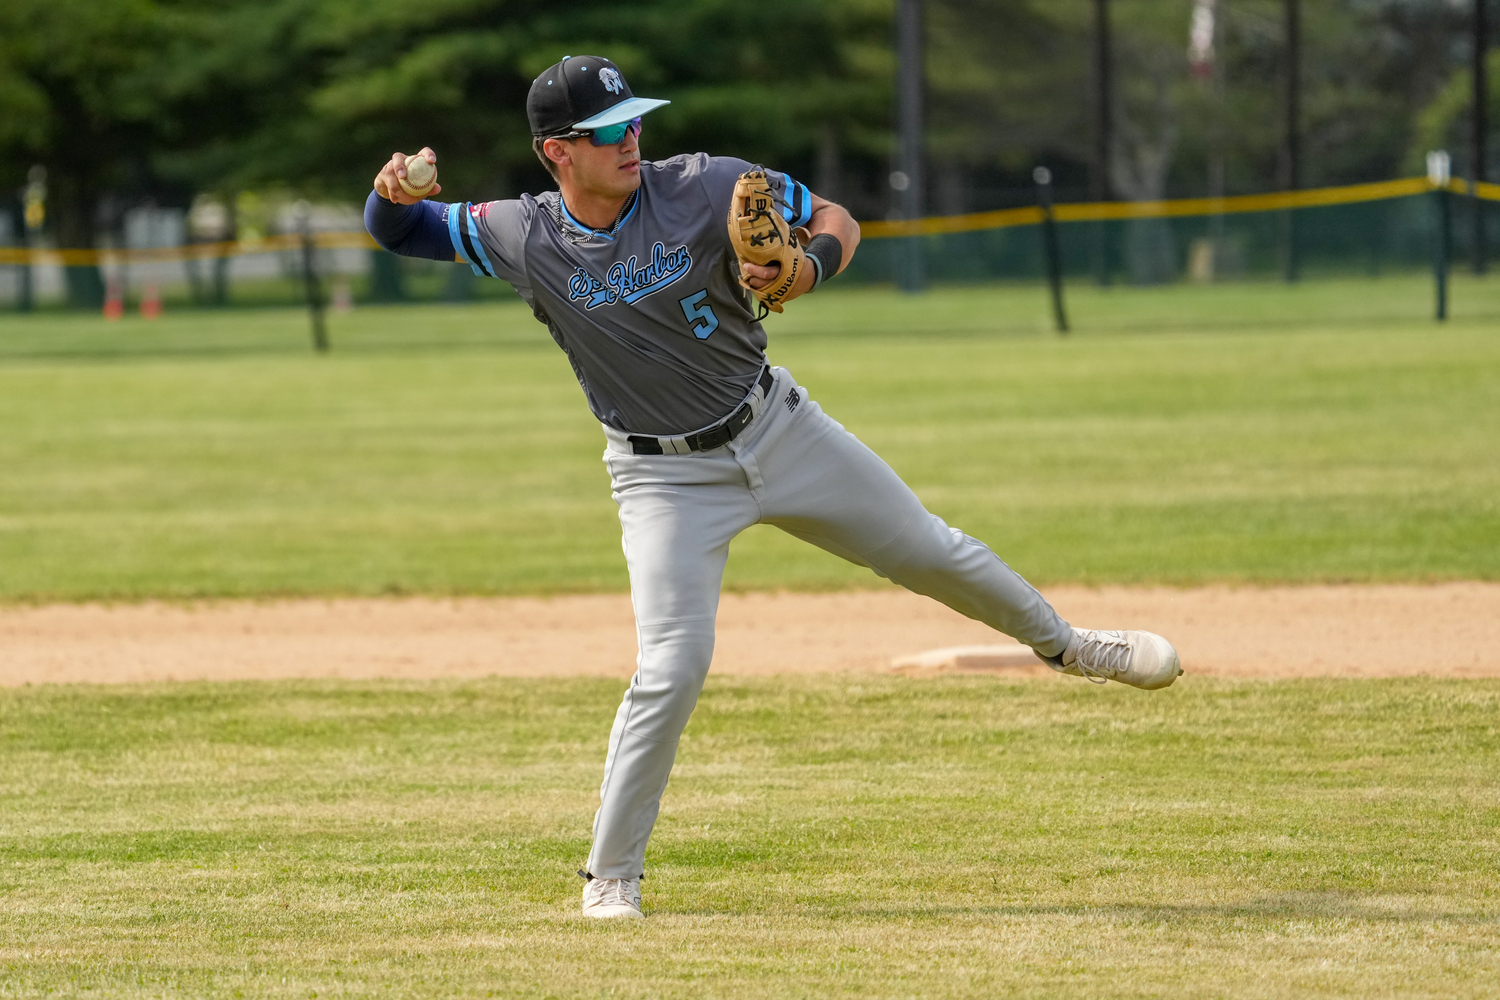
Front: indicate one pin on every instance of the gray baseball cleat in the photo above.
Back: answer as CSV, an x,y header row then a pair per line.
x,y
612,897
1140,659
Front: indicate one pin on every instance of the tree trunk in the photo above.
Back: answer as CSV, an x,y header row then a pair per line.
x,y
828,162
74,205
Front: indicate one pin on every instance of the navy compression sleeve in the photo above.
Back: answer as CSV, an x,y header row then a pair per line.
x,y
409,230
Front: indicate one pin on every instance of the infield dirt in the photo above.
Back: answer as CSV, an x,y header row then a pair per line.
x,y
1448,630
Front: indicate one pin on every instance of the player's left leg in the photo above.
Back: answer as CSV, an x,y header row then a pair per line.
x,y
819,482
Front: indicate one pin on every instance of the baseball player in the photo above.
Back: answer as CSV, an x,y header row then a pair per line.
x,y
652,276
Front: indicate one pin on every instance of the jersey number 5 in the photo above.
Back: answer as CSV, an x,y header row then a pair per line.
x,y
701,318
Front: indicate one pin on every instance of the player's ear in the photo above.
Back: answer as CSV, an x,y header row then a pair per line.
x,y
559,152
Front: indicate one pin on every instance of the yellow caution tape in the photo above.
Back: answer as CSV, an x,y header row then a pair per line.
x,y
1115,210
191,251
1486,191
930,226
934,224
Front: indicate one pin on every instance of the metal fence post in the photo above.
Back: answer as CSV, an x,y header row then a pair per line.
x,y
1439,172
314,285
908,179
1479,131
1051,250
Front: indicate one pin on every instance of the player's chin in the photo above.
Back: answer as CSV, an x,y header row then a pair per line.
x,y
628,181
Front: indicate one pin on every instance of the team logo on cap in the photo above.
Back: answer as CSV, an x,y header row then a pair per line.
x,y
612,80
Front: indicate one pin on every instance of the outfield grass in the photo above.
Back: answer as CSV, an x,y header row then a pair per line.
x,y
883,837
1330,431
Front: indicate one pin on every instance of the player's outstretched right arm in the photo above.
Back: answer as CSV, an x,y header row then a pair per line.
x,y
403,223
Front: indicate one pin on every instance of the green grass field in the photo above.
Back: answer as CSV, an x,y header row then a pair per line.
x,y
880,838
867,837
1247,433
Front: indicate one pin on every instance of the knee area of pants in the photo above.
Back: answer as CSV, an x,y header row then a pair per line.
x,y
677,631
910,558
930,546
660,711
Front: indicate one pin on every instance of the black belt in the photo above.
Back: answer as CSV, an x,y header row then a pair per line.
x,y
716,436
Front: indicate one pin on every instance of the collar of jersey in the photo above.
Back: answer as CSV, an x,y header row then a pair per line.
x,y
608,234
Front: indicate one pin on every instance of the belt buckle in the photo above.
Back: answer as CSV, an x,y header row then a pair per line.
x,y
712,438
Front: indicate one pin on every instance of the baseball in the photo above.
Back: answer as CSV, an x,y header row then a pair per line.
x,y
420,176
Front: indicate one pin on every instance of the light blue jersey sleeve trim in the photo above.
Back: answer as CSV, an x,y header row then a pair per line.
x,y
465,238
484,258
798,208
454,211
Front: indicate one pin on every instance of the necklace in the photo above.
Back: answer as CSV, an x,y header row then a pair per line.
x,y
624,211
566,221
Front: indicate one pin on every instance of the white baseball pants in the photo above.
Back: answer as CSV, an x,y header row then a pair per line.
x,y
797,468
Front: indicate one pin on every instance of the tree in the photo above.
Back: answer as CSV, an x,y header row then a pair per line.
x,y
316,94
77,95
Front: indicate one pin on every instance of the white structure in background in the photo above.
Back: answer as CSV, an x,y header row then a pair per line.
x,y
324,219
47,279
150,227
10,277
1439,168
1201,39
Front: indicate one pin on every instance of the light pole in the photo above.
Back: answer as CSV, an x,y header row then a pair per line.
x,y
907,178
1291,155
1478,158
1103,135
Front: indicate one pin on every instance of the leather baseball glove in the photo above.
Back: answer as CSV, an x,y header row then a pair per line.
x,y
761,235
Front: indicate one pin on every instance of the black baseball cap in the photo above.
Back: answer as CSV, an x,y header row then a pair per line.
x,y
582,92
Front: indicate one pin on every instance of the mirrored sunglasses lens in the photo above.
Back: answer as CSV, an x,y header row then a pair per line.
x,y
608,135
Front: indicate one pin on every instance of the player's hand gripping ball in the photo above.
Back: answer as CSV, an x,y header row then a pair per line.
x,y
761,235
420,176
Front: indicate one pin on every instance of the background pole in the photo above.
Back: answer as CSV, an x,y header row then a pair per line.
x,y
1051,250
1440,253
907,179
314,285
1099,188
1478,158
24,298
1291,159
1439,175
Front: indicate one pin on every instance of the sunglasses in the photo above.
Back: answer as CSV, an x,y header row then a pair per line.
x,y
605,135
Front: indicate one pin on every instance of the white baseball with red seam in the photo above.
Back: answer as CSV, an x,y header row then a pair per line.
x,y
420,176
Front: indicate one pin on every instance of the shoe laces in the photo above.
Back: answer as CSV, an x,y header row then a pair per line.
x,y
1101,655
613,891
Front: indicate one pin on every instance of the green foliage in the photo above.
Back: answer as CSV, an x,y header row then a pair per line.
x,y
164,98
1445,123
319,94
76,84
821,836
1258,433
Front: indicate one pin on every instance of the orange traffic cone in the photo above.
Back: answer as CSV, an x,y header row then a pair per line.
x,y
151,302
114,301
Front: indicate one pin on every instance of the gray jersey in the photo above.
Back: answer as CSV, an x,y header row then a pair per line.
x,y
660,334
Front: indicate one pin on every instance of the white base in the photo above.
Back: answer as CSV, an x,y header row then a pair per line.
x,y
1010,659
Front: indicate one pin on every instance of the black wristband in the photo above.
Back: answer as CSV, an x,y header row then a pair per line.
x,y
826,249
